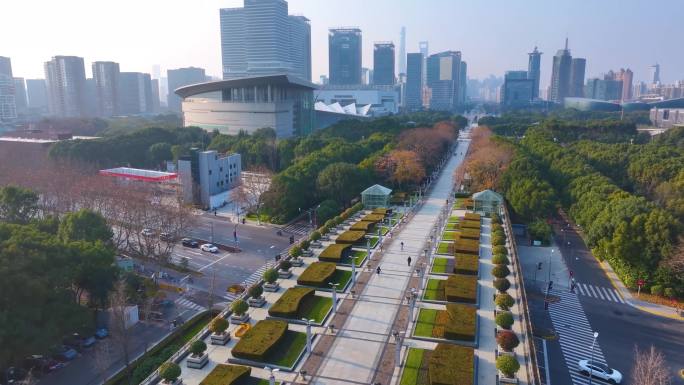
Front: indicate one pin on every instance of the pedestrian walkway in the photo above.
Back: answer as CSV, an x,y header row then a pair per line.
x,y
351,360
598,292
186,303
575,335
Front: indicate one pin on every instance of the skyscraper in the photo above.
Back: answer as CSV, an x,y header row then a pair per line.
x,y
627,78
402,51
106,76
20,96
36,90
66,84
534,70
344,56
8,107
182,77
261,39
423,47
560,75
155,95
655,73
414,82
444,77
135,93
577,77
383,64
518,89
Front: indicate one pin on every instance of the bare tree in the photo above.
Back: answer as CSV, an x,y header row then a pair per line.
x,y
118,322
251,191
650,367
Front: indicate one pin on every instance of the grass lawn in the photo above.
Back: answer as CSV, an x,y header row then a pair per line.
x,y
425,323
454,219
358,255
451,226
439,266
434,291
264,218
443,248
315,308
373,241
414,370
449,235
288,349
384,230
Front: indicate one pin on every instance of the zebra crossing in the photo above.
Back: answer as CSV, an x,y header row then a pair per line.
x,y
257,275
575,335
603,293
186,303
298,228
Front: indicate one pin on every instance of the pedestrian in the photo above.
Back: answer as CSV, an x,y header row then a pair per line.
x,y
377,270
402,245
409,260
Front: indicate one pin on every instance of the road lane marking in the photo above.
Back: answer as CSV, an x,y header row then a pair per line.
x,y
215,262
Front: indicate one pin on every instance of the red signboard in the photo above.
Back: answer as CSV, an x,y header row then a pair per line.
x,y
640,282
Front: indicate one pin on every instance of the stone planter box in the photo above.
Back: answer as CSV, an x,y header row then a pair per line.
x,y
285,274
297,262
316,244
220,339
271,287
257,302
197,362
178,381
325,237
307,253
236,319
507,380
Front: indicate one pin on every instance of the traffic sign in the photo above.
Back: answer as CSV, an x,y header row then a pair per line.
x,y
641,282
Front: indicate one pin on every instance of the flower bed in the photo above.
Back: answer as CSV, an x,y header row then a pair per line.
x,y
456,323
466,264
335,252
301,302
467,246
350,237
451,364
364,226
260,340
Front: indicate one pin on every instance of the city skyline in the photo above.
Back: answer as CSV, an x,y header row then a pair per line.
x,y
540,24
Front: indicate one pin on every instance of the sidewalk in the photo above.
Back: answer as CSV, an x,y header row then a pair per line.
x,y
653,308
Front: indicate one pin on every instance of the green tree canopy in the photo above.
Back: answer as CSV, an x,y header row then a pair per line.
x,y
17,205
84,225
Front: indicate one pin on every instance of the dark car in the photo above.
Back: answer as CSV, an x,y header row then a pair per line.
x,y
101,333
38,364
79,342
187,242
64,353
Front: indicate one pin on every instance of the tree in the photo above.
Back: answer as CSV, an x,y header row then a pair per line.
x,y
250,193
239,307
158,153
507,340
406,167
84,225
169,371
326,210
341,182
17,205
650,367
118,325
197,348
219,325
270,275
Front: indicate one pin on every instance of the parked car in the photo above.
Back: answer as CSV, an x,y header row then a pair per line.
x,y
208,247
64,353
188,242
38,364
79,342
599,370
147,232
101,333
167,237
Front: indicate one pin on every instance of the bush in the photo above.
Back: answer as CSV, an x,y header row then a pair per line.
x,y
496,228
296,251
305,244
270,275
500,271
507,340
499,249
324,229
502,284
224,374
239,307
504,319
334,252
504,301
657,290
169,371
461,288
357,207
498,239
669,293
507,365
285,265
329,223
499,259
256,291
350,237
496,219
198,348
451,364
337,220
315,236
260,340
218,325
287,306
466,264
317,274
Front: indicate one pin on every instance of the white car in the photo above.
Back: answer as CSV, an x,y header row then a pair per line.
x,y
599,370
209,248
147,232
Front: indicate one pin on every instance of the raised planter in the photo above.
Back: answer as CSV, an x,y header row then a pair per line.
x,y
298,262
316,244
507,380
220,339
325,237
239,319
257,302
307,253
271,287
198,362
285,274
178,381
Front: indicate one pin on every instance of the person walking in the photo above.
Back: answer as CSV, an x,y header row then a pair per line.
x,y
377,270
409,260
402,245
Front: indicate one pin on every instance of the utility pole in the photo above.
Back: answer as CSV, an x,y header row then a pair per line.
x,y
211,287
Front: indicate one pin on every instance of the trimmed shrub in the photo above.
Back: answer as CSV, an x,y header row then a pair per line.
x,y
451,364
504,301
305,244
507,340
260,340
296,251
362,226
323,229
270,275
500,271
498,239
169,371
496,227
657,290
287,306
504,319
499,249
466,264
373,218
315,236
337,220
496,219
218,325
285,265
224,374
317,274
507,365
198,348
467,246
330,223
502,284
334,252
499,259
466,224
357,207
239,307
350,237
256,291
460,322
470,234
461,288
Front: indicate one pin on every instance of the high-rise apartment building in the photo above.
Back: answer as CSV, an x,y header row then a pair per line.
x,y
20,96
262,39
534,70
518,89
446,79
577,70
344,56
66,84
414,82
627,78
383,64
155,96
607,88
402,51
106,77
36,90
182,77
654,71
8,106
424,49
561,74
135,93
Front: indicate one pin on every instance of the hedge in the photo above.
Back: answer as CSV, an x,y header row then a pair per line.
x,y
373,218
451,364
381,211
260,340
472,217
466,264
317,274
362,226
461,288
288,304
466,224
461,320
334,253
224,374
467,246
504,319
470,233
350,237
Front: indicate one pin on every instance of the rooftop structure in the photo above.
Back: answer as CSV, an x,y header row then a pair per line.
x,y
139,174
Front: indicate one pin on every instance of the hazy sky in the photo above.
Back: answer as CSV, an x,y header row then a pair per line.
x,y
493,35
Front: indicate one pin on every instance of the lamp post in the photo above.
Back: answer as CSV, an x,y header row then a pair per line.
x,y
368,247
549,267
591,360
412,303
309,337
353,277
334,296
398,342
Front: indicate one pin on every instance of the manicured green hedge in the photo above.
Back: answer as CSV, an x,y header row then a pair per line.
x,y
317,274
466,224
288,304
467,246
461,322
362,226
466,264
373,218
381,211
350,237
469,233
335,252
227,375
461,288
259,341
451,365
472,217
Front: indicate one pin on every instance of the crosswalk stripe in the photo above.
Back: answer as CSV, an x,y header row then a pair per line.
x,y
612,295
603,289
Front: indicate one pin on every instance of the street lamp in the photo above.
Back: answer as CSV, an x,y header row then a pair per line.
x,y
334,296
309,337
271,377
353,277
412,303
591,360
549,268
398,342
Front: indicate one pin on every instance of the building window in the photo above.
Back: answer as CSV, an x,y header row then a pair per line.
x,y
209,172
221,169
666,114
217,184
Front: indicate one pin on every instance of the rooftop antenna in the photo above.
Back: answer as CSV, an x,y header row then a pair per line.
x,y
566,43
